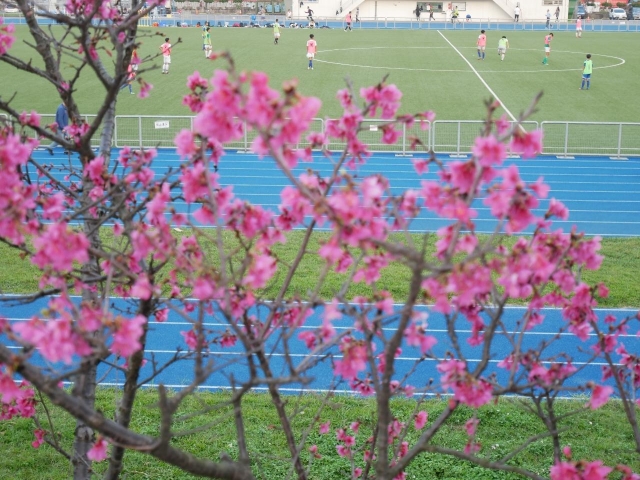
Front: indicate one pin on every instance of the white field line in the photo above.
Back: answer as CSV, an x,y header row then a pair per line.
x,y
504,107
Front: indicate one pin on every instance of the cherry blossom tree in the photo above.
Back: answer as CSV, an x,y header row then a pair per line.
x,y
104,231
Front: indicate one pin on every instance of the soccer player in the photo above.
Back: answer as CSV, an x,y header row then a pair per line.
x,y
482,44
207,43
165,48
348,21
131,75
503,44
135,59
204,33
578,28
311,51
276,31
547,48
586,72
548,15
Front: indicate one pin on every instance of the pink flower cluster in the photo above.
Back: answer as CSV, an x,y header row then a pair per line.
x,y
17,198
354,358
466,388
580,470
6,37
16,399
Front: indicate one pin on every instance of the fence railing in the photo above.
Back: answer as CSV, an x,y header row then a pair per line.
x,y
614,139
452,137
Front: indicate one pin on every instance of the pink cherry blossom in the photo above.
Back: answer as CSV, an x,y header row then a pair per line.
x,y
6,37
39,440
185,143
58,247
262,269
145,88
56,339
343,450
489,151
190,339
420,420
313,449
31,119
527,144
415,335
9,390
599,396
98,452
126,339
354,357
324,428
162,315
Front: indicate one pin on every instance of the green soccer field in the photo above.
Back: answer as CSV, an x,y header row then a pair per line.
x,y
435,70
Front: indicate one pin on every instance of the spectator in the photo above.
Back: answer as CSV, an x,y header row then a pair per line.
x,y
61,123
548,15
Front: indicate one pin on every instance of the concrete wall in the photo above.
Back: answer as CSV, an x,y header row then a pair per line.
x,y
531,10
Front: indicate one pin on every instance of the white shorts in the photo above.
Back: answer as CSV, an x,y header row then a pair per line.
x,y
310,55
481,47
502,50
276,35
167,59
206,47
578,29
547,49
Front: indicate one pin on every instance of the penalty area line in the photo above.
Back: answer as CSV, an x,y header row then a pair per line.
x,y
504,107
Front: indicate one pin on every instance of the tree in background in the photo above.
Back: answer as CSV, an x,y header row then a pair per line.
x,y
100,227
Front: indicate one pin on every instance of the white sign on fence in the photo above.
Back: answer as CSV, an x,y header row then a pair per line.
x,y
162,124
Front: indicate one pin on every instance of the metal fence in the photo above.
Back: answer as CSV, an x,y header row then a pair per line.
x,y
456,137
614,139
452,137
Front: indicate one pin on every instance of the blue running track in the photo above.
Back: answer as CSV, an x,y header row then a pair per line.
x,y
164,338
601,194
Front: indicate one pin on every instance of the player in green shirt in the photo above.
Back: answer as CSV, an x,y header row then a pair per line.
x,y
207,43
503,44
586,72
276,31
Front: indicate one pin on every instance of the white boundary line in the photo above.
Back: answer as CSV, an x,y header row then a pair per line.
x,y
504,107
621,61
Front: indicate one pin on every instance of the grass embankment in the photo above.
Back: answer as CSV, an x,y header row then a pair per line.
x,y
503,427
619,272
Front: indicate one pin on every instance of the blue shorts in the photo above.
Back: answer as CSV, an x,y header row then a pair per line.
x,y
586,75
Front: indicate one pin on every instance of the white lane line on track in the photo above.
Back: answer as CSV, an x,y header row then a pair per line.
x,y
305,355
504,107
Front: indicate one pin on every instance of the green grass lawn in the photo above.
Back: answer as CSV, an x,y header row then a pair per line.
x,y
503,427
431,74
619,272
